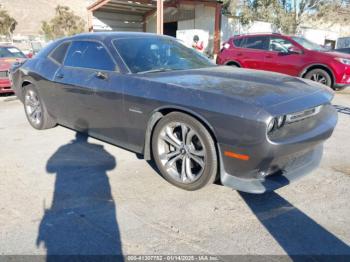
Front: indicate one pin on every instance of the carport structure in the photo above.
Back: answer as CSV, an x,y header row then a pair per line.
x,y
157,16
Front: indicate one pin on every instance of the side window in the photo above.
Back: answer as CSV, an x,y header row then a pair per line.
x,y
279,45
255,42
88,54
59,52
238,42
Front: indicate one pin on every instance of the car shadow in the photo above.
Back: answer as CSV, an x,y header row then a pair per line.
x,y
82,217
342,109
296,233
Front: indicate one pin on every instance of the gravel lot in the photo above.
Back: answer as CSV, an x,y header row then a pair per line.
x,y
60,194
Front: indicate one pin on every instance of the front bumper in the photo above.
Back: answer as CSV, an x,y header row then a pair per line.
x,y
341,86
342,79
298,167
280,159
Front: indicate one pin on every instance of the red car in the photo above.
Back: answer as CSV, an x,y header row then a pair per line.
x,y
8,56
292,55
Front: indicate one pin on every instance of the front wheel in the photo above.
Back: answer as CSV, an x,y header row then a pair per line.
x,y
35,109
184,151
319,76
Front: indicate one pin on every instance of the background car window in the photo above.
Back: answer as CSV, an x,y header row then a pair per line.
x,y
58,53
162,54
237,42
87,54
279,44
308,44
258,42
11,52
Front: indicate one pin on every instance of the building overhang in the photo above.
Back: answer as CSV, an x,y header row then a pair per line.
x,y
141,7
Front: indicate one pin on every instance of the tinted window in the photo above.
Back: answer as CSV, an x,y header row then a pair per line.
x,y
87,54
308,44
255,42
11,52
59,53
279,44
237,42
144,54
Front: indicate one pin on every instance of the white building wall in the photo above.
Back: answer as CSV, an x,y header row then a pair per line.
x,y
204,20
107,21
231,26
151,23
318,36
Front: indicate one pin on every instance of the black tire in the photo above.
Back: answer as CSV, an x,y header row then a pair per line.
x,y
207,147
43,120
232,64
321,76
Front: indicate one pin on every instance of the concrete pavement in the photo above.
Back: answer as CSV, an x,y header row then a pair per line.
x,y
62,194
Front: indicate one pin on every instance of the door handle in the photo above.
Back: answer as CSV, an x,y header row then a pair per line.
x,y
59,75
239,54
101,75
269,56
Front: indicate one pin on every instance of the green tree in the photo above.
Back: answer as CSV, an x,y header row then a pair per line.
x,y
7,24
286,15
65,23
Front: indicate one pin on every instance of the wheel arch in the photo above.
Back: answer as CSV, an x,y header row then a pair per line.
x,y
233,62
163,111
25,82
318,66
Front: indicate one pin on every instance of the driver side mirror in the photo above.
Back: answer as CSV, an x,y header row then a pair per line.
x,y
295,50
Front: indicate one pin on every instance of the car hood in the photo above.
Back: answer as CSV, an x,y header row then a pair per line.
x,y
261,88
335,54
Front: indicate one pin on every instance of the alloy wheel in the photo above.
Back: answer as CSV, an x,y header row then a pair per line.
x,y
181,152
33,107
319,78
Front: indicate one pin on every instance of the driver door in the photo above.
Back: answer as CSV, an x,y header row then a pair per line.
x,y
90,96
279,59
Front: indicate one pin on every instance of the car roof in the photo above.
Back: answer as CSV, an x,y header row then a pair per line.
x,y
8,46
260,34
113,35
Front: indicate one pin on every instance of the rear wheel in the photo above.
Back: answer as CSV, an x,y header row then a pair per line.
x,y
35,109
184,151
320,76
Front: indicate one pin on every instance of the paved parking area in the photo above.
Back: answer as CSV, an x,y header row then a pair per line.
x,y
61,194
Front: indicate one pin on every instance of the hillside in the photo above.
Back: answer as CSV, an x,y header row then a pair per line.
x,y
30,13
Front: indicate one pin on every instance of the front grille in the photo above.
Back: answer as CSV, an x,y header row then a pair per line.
x,y
4,74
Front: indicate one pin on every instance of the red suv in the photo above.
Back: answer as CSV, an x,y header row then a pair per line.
x,y
292,55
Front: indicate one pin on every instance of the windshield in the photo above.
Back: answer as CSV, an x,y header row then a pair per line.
x,y
154,54
11,52
308,44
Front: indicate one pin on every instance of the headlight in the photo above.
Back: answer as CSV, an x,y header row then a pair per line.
x,y
280,121
276,122
343,60
271,125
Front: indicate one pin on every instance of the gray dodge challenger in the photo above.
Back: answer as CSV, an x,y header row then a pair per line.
x,y
250,130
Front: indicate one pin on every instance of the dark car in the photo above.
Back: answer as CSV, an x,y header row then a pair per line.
x,y
253,130
291,55
343,50
8,56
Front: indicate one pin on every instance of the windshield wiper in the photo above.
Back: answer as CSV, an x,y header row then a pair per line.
x,y
155,70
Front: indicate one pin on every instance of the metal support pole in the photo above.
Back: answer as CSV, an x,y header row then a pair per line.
x,y
160,17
